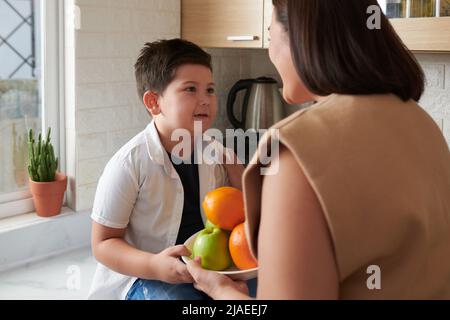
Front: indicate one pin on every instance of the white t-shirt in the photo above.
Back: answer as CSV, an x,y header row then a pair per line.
x,y
140,190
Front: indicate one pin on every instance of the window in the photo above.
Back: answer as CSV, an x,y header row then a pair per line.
x,y
30,91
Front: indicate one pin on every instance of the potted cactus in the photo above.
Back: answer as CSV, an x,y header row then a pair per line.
x,y
47,185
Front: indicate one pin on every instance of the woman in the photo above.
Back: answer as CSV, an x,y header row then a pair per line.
x,y
360,205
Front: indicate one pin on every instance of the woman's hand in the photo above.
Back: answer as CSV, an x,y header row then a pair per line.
x,y
170,268
216,285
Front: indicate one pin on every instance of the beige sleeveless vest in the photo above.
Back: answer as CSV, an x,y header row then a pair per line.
x,y
381,170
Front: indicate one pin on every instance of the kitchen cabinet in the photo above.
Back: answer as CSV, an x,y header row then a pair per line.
x,y
244,24
224,24
423,25
424,34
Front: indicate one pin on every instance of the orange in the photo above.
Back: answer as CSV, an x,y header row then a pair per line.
x,y
224,207
239,249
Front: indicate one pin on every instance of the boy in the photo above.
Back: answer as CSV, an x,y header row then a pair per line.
x,y
147,204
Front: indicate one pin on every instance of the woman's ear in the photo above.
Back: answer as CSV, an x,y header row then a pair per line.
x,y
150,100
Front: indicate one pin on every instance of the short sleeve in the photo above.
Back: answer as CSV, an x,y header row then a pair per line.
x,y
116,195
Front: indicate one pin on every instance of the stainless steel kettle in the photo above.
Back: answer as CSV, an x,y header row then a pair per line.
x,y
262,106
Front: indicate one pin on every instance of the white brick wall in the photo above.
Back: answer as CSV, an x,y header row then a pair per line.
x,y
231,65
436,100
107,111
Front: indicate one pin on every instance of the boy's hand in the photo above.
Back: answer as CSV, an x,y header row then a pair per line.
x,y
170,268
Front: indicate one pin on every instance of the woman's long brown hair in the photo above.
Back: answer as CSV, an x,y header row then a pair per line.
x,y
334,50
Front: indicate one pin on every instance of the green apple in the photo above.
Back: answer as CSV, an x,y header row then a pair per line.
x,y
209,225
211,245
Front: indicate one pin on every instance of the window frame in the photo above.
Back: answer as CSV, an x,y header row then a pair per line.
x,y
52,86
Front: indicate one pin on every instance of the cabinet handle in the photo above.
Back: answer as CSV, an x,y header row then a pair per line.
x,y
242,38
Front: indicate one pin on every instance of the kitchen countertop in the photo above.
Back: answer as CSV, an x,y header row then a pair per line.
x,y
52,279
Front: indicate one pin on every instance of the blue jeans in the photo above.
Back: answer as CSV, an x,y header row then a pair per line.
x,y
158,290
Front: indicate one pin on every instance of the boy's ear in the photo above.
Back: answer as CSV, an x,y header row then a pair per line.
x,y
150,100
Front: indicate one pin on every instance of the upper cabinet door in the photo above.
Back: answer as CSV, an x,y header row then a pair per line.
x,y
223,23
424,34
423,25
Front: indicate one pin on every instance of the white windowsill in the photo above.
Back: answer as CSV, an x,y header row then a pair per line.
x,y
29,238
29,219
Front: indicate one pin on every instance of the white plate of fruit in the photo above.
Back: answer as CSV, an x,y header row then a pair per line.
x,y
222,244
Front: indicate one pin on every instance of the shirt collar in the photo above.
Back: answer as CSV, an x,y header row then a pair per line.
x,y
156,151
155,148
159,155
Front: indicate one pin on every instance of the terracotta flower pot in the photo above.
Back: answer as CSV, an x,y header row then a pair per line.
x,y
48,196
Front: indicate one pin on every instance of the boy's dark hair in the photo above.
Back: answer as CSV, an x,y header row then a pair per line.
x,y
158,62
335,52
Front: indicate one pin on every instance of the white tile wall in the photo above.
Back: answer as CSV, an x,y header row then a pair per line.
x,y
436,99
91,146
231,65
107,111
85,195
